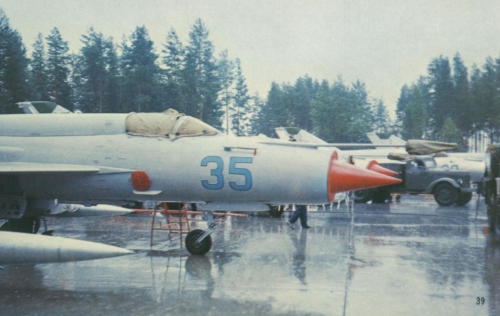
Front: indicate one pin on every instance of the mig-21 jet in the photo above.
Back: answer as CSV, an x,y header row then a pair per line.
x,y
121,158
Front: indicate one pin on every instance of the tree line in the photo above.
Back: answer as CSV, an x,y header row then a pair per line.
x,y
103,77
450,105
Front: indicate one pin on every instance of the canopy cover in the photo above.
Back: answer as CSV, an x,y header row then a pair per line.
x,y
169,123
427,147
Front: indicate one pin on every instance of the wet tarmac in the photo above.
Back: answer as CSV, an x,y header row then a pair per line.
x,y
402,258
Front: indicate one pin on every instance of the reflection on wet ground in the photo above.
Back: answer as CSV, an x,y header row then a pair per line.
x,y
403,258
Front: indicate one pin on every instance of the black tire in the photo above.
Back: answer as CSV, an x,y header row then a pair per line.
x,y
464,198
445,194
198,248
29,225
362,196
276,211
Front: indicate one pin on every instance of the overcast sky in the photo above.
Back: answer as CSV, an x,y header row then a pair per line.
x,y
383,43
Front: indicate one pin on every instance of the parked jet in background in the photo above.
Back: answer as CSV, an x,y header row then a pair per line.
x,y
395,146
119,158
41,107
362,157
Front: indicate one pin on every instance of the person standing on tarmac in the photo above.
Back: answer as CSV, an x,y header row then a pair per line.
x,y
300,212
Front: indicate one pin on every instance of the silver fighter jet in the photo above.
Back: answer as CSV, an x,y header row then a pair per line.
x,y
119,158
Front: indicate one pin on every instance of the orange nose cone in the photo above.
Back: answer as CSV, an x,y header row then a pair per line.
x,y
374,166
344,177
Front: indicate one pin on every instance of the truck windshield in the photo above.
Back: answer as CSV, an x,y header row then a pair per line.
x,y
430,163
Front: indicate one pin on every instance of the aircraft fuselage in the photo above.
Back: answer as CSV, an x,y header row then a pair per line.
x,y
204,168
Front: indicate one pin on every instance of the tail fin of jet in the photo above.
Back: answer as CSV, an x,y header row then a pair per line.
x,y
392,140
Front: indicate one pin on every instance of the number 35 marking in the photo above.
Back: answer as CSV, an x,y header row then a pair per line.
x,y
217,183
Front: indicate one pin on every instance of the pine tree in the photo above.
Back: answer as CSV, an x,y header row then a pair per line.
x,y
303,94
240,107
463,115
474,91
97,55
325,113
415,117
173,60
485,98
380,123
201,78
58,70
403,100
441,85
226,77
256,115
13,67
141,86
360,113
450,132
38,76
112,96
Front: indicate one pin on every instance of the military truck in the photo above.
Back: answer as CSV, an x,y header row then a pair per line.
x,y
421,175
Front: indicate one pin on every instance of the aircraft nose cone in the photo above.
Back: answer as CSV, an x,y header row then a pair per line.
x,y
344,177
374,166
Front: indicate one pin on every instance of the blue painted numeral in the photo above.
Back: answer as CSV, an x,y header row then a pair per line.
x,y
247,185
233,169
216,172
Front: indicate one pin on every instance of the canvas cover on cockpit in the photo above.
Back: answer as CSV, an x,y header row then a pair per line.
x,y
169,123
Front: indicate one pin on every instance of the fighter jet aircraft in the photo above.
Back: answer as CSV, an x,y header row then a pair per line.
x,y
119,158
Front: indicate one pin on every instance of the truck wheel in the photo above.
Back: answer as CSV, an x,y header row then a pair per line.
x,y
445,194
464,198
362,196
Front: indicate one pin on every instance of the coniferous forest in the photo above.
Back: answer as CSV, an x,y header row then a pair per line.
x,y
451,103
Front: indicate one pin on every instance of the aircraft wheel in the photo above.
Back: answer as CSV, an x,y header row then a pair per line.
x,y
200,248
445,194
464,198
29,225
362,196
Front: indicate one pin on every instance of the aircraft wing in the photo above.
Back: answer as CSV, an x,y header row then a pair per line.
x,y
29,167
22,167
317,145
295,144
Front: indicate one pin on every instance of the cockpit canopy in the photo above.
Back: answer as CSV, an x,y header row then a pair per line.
x,y
169,123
